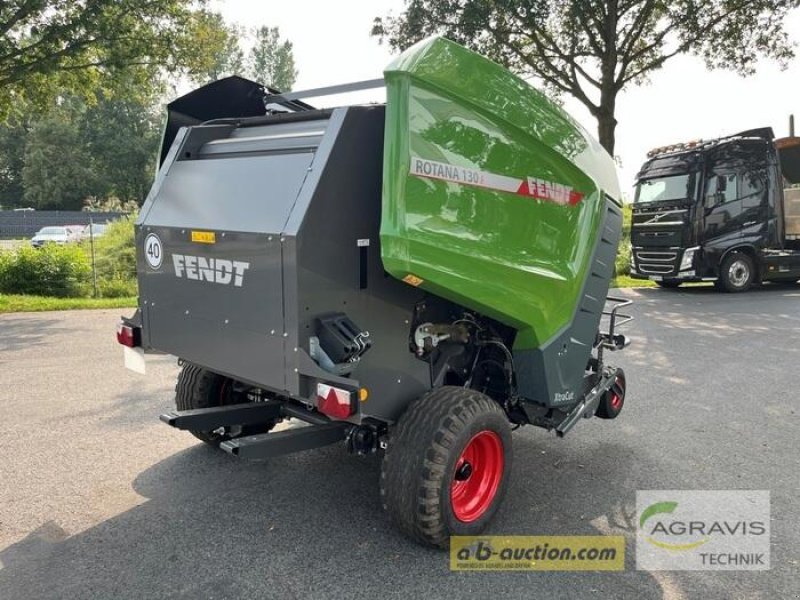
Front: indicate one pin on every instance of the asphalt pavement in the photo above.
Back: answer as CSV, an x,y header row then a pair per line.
x,y
98,499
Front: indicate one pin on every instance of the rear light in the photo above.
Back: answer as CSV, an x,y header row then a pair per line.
x,y
335,402
129,336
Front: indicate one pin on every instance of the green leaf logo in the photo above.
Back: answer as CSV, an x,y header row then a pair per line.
x,y
666,508
657,508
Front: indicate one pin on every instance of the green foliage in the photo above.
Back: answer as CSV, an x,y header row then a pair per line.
x,y
66,271
224,56
117,288
272,60
110,204
623,261
121,137
62,271
115,259
13,136
78,135
593,50
57,172
81,153
622,264
50,45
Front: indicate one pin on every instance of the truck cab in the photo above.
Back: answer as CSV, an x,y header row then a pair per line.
x,y
717,211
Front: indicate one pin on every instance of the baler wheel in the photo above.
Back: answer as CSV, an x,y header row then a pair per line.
x,y
447,465
200,388
613,400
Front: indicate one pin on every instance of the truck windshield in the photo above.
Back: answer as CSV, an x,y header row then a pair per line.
x,y
675,187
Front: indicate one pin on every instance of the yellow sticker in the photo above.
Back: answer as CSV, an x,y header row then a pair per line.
x,y
204,237
413,280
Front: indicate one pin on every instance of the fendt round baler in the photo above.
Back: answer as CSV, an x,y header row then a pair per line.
x,y
413,278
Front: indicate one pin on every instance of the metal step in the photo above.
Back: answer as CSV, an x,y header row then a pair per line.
x,y
209,419
267,445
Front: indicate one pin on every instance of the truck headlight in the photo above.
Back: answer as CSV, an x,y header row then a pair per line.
x,y
688,259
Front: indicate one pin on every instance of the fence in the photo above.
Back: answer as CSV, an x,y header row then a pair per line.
x,y
25,223
99,266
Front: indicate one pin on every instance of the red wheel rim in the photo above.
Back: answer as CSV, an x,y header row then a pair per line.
x,y
617,393
477,476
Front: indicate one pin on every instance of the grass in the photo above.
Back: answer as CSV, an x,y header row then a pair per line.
x,y
17,303
623,281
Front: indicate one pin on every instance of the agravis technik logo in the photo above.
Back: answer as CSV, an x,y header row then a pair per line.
x,y
703,530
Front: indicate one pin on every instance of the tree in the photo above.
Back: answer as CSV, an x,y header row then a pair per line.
x,y
12,149
593,49
57,172
89,151
272,61
48,45
221,44
121,136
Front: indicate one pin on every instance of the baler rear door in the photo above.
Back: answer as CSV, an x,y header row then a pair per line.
x,y
209,246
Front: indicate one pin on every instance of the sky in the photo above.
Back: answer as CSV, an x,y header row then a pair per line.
x,y
683,101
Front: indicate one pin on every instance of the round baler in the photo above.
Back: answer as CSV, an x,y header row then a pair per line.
x,y
413,279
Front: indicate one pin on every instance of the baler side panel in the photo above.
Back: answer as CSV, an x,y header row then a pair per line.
x,y
331,236
239,190
514,258
552,374
492,194
495,199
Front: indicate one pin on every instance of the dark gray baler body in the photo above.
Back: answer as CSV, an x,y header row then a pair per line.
x,y
294,205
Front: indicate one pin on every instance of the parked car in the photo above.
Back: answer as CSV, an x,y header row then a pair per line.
x,y
54,235
75,232
95,230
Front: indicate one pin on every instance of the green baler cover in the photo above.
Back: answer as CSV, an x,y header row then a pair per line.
x,y
492,195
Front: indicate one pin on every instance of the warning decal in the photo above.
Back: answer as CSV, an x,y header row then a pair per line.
x,y
530,187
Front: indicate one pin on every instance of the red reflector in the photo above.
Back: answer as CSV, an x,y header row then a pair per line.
x,y
127,335
336,403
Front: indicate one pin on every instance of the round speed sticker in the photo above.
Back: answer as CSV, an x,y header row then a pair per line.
x,y
153,251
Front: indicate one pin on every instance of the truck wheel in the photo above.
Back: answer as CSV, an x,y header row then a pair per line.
x,y
736,274
447,465
612,401
668,283
199,388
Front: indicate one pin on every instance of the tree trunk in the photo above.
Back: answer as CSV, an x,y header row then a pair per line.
x,y
606,122
606,130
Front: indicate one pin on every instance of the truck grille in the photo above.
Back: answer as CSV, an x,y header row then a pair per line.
x,y
655,262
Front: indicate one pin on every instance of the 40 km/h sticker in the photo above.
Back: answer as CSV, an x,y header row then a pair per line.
x,y
153,252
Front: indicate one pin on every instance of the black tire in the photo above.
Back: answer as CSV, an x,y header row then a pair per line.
x,y
418,472
200,388
669,283
736,273
614,399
